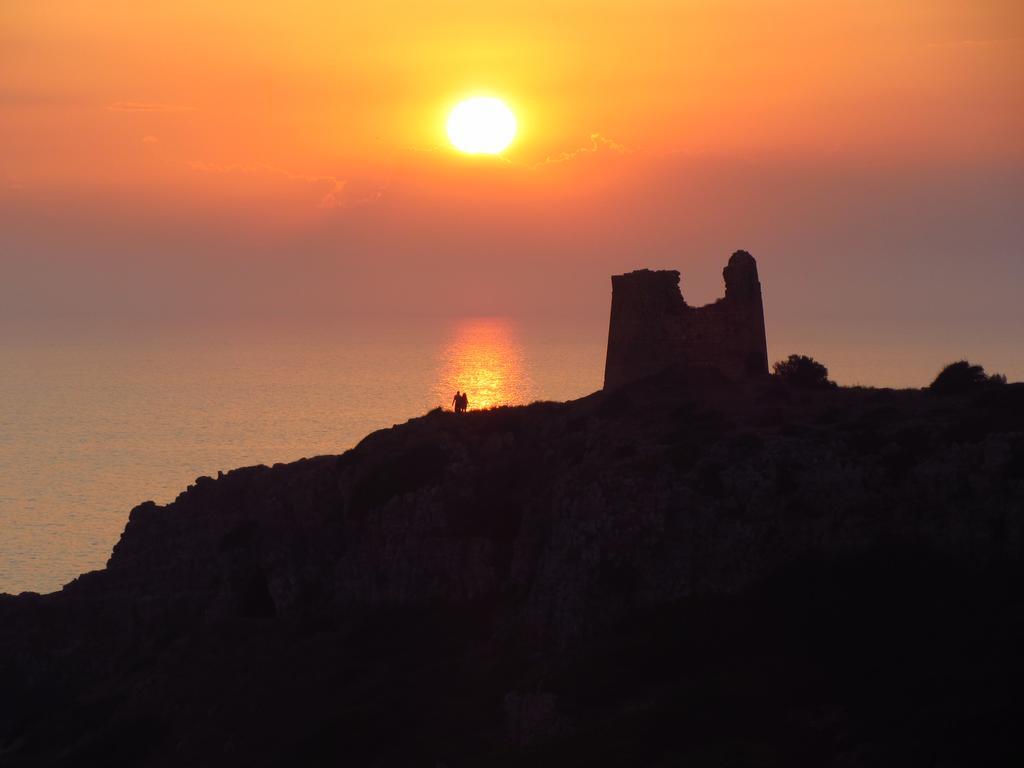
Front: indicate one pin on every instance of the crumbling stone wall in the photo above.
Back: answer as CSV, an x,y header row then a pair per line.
x,y
653,327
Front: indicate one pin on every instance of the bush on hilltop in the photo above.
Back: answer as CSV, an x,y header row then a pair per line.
x,y
962,376
803,372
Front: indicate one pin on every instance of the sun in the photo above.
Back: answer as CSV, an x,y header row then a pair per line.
x,y
481,126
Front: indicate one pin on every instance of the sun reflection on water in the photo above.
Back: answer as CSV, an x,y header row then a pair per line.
x,y
483,357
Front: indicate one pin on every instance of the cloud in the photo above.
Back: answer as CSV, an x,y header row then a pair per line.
x,y
332,192
334,198
981,42
150,140
36,97
598,143
146,106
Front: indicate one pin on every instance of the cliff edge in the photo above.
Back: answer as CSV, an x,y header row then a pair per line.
x,y
685,570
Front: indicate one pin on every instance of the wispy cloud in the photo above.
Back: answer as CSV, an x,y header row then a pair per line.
x,y
598,143
980,42
334,192
146,106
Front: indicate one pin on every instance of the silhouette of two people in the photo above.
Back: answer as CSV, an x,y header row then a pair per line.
x,y
460,402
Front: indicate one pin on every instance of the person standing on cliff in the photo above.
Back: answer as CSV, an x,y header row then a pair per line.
x,y
464,401
457,402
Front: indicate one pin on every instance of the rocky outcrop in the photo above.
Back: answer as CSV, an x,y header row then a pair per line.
x,y
652,327
686,569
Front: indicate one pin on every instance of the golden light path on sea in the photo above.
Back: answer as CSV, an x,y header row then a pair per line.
x,y
483,357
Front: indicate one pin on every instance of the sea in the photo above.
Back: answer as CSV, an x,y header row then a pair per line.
x,y
93,422
92,425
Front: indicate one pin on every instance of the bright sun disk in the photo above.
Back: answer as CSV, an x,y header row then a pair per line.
x,y
481,126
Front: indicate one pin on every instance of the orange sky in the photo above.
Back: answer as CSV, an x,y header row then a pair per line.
x,y
105,94
292,155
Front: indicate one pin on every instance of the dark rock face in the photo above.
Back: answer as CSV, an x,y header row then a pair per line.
x,y
652,326
682,571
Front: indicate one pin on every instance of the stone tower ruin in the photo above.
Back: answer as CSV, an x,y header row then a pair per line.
x,y
652,326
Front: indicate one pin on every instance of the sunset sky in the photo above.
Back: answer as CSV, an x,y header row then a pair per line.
x,y
258,160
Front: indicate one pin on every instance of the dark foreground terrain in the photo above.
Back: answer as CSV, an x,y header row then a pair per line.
x,y
681,573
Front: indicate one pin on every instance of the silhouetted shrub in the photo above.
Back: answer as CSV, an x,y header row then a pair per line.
x,y
802,371
962,376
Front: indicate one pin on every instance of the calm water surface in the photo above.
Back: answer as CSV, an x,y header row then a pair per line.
x,y
89,429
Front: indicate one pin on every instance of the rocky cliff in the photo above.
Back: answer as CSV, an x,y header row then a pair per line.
x,y
682,571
